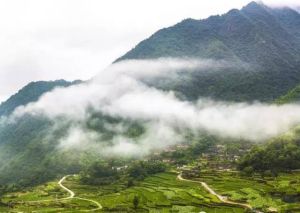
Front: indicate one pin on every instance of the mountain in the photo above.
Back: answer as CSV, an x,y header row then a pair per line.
x,y
291,96
262,43
266,39
31,93
279,154
24,151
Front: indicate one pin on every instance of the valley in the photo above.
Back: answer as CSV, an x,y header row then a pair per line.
x,y
202,116
199,185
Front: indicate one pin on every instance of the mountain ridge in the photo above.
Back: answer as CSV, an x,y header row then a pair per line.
x,y
31,93
264,37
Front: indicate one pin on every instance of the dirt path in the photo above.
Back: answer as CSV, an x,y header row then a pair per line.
x,y
71,196
220,197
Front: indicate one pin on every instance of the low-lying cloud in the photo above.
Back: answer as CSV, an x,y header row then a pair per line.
x,y
119,92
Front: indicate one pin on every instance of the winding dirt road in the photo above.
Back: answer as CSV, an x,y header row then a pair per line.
x,y
220,197
71,196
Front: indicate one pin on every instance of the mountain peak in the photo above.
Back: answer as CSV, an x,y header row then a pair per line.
x,y
254,5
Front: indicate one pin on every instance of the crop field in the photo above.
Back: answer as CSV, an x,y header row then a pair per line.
x,y
158,193
163,193
281,193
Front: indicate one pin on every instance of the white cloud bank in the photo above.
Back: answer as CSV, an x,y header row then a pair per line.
x,y
118,92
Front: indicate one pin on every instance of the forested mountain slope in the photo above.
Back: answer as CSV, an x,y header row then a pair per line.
x,y
30,93
265,39
291,96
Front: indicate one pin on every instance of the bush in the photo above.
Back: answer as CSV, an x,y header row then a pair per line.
x,y
141,169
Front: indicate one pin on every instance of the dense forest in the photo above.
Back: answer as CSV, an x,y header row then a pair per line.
x,y
281,154
263,42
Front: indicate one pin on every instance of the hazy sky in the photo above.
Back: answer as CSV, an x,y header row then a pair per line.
x,y
74,39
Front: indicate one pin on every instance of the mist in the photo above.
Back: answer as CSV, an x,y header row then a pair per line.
x,y
120,92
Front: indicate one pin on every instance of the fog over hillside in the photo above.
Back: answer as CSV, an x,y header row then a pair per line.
x,y
150,106
120,92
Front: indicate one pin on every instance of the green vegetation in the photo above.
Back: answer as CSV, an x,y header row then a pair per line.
x,y
27,158
281,192
263,44
31,154
292,96
157,193
31,93
100,173
140,186
141,169
48,197
280,154
103,173
266,40
135,202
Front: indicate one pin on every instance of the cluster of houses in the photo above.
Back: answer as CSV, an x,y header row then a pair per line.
x,y
216,157
191,172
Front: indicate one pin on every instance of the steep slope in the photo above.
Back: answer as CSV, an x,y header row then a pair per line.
x,y
262,39
279,154
30,93
266,39
25,149
291,96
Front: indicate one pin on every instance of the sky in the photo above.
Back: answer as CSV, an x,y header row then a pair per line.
x,y
75,39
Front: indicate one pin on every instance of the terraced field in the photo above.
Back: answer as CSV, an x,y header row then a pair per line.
x,y
281,193
159,193
49,197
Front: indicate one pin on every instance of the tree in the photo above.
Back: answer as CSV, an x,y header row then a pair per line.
x,y
155,167
137,171
140,170
130,183
99,173
248,171
135,201
2,191
281,154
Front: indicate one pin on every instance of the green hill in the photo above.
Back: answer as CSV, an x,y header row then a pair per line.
x,y
279,154
292,96
31,93
266,39
25,149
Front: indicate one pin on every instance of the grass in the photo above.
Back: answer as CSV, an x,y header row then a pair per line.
x,y
261,193
73,205
158,193
164,193
46,191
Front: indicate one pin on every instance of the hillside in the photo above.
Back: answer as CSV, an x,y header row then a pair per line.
x,y
278,155
24,149
217,131
291,96
30,93
262,43
266,39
